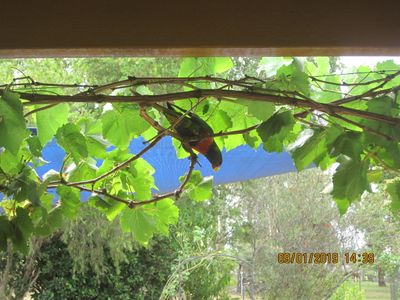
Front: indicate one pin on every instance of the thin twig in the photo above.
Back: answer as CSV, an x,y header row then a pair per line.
x,y
387,78
40,109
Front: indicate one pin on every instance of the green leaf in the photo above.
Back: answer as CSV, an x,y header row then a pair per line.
x,y
270,65
292,78
70,200
90,126
311,150
203,66
348,143
113,209
252,140
274,131
203,190
220,120
82,171
389,65
96,147
260,110
278,123
198,188
121,124
34,145
390,155
24,222
72,141
25,187
384,106
393,189
21,228
17,238
140,222
350,179
5,232
167,214
141,179
12,122
47,223
342,205
147,220
48,121
10,163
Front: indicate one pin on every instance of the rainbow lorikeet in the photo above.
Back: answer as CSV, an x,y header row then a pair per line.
x,y
192,127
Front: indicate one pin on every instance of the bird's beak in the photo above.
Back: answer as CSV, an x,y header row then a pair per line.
x,y
216,168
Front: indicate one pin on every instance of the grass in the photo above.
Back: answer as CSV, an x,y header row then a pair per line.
x,y
375,292
371,290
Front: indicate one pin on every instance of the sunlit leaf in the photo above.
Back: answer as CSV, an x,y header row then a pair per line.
x,y
12,123
49,120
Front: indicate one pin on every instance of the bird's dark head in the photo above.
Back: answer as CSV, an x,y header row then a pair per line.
x,y
214,156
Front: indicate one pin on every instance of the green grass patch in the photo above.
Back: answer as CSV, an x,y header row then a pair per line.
x,y
375,292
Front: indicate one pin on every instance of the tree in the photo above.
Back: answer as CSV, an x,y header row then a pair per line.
x,y
288,214
374,220
322,118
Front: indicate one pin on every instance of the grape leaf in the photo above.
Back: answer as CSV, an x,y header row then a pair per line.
x,y
34,145
260,110
72,141
70,200
121,124
198,188
141,178
347,186
48,121
82,171
292,78
275,130
201,66
167,214
311,150
140,221
12,122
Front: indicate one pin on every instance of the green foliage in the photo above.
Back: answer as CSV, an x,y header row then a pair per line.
x,y
390,263
141,276
210,279
202,269
348,291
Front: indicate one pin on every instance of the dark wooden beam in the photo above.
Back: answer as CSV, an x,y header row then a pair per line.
x,y
198,28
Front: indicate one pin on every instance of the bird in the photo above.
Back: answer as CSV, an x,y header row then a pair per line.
x,y
194,130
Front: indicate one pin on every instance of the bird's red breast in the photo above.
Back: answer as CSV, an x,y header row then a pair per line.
x,y
204,145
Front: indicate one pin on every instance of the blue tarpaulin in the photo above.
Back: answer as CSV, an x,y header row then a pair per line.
x,y
240,164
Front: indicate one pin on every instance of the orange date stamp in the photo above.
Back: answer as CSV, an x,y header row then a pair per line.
x,y
325,257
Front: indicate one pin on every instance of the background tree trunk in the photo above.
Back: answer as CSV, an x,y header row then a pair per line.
x,y
381,277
